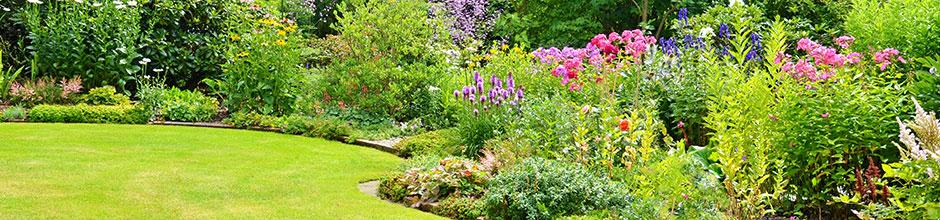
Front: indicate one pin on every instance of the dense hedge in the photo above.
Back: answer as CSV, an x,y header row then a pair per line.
x,y
118,114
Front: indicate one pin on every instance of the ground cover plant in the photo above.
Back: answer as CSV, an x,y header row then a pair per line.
x,y
521,109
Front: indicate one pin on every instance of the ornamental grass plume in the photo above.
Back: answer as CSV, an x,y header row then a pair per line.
x,y
926,143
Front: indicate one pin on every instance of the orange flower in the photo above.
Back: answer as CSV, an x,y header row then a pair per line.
x,y
624,125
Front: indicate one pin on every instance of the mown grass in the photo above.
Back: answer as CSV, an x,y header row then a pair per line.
x,y
80,171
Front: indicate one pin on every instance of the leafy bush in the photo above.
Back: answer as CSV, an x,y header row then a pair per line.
x,y
450,177
184,105
78,39
105,95
262,69
544,189
250,120
440,142
109,114
926,88
461,208
322,127
186,40
677,187
14,113
314,17
912,26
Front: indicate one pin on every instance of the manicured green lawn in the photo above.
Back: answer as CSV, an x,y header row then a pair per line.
x,y
81,171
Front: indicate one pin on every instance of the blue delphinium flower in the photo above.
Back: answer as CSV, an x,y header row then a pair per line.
x,y
684,15
724,31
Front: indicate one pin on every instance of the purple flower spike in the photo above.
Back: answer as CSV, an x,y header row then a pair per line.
x,y
473,98
482,99
510,82
456,93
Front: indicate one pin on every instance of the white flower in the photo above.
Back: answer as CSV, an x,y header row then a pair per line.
x,y
6,9
735,2
34,1
158,70
706,32
144,61
132,3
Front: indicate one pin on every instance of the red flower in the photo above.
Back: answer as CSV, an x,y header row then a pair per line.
x,y
624,125
467,173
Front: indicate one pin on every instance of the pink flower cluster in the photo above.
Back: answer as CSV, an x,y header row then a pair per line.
x,y
602,49
634,42
888,55
824,57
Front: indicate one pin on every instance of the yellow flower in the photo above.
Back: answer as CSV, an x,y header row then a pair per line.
x,y
243,54
281,33
235,37
470,66
504,47
281,42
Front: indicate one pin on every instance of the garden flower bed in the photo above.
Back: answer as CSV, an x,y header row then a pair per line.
x,y
503,109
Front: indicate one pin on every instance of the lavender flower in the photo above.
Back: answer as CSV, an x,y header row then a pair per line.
x,y
468,19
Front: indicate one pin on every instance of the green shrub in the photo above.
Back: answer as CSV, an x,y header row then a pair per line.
x,y
393,189
184,105
262,68
926,88
440,142
109,114
461,208
105,95
321,127
78,39
545,189
14,113
677,187
911,26
250,120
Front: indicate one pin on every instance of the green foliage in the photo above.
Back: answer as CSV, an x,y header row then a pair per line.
x,y
830,130
911,26
440,142
460,208
76,39
394,61
263,68
321,127
926,86
314,18
253,120
740,99
7,76
14,113
184,105
109,114
398,30
819,19
105,95
677,187
186,40
393,189
544,189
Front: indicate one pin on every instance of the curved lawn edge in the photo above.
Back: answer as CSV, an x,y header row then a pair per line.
x,y
145,171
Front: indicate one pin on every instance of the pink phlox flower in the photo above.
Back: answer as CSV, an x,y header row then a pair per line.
x,y
845,41
806,45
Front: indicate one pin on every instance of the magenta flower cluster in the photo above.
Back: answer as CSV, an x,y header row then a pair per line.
x,y
629,46
887,56
820,56
499,94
